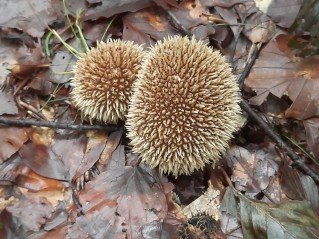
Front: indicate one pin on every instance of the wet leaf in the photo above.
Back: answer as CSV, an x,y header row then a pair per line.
x,y
28,64
94,148
287,75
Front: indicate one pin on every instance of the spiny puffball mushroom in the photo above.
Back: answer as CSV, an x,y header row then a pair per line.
x,y
184,106
103,79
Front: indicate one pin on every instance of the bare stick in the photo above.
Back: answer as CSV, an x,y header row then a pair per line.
x,y
298,162
56,125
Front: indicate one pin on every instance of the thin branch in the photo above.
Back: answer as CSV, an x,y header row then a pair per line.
x,y
298,162
176,23
56,125
253,54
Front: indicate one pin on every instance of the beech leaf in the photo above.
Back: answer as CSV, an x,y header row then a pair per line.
x,y
288,75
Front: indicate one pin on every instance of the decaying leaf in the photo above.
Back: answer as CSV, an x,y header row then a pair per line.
x,y
146,26
279,11
243,16
312,131
25,217
106,8
293,219
286,75
58,160
11,140
230,223
125,202
207,204
252,169
306,24
30,16
7,104
298,186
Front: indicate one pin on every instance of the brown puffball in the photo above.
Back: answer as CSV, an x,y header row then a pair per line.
x,y
184,106
103,79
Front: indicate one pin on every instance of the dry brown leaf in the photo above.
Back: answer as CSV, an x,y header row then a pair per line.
x,y
312,132
7,104
125,202
252,169
29,16
11,140
146,26
283,13
56,158
278,72
207,204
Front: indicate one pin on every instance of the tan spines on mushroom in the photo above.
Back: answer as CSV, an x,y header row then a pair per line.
x,y
103,78
184,106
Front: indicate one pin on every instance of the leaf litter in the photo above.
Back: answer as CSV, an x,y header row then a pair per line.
x,y
264,196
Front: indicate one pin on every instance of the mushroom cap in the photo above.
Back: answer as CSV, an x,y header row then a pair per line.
x,y
103,79
184,106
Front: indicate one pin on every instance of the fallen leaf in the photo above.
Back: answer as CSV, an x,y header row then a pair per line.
x,y
7,103
253,169
125,202
244,17
306,24
26,216
11,140
106,8
287,75
230,223
61,62
281,13
207,204
59,160
294,219
146,26
312,132
298,186
30,16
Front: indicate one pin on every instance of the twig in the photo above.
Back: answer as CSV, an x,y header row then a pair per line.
x,y
253,54
298,162
56,125
177,24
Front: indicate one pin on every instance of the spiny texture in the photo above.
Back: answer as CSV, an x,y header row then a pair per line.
x,y
103,79
184,106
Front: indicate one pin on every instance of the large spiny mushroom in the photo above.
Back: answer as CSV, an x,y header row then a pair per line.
x,y
103,78
184,106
